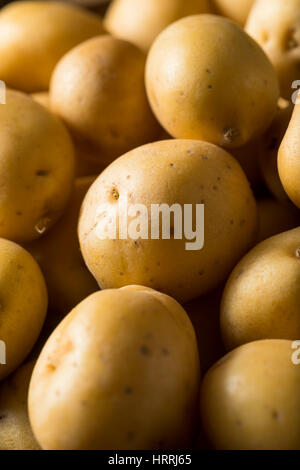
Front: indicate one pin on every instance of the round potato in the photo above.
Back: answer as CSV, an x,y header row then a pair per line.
x,y
201,87
236,10
35,35
120,372
275,26
275,217
15,430
23,304
140,21
250,399
289,158
36,168
262,296
180,172
58,254
98,89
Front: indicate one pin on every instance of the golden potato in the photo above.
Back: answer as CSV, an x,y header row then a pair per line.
x,y
36,168
267,149
289,158
262,296
236,10
275,25
168,172
15,430
120,372
23,304
250,399
35,35
98,90
58,254
275,217
140,21
201,87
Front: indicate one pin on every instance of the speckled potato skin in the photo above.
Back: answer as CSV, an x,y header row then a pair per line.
x,y
275,217
275,26
173,171
262,296
289,158
250,399
23,303
140,21
58,254
35,35
236,10
198,90
120,372
98,90
15,430
36,168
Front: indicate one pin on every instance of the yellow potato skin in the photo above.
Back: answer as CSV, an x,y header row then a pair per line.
x,y
289,158
120,372
198,90
275,217
275,26
250,398
233,9
23,303
58,254
15,430
36,168
140,21
98,90
171,171
262,297
35,35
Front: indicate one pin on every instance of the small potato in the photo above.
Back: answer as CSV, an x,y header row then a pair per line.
x,y
58,254
275,25
140,21
267,149
23,304
98,90
250,398
236,10
120,372
36,168
35,35
289,158
169,172
262,296
207,79
275,217
15,430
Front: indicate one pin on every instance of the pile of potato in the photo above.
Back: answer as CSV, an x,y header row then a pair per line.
x,y
167,102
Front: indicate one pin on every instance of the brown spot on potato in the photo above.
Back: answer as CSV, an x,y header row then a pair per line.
x,y
165,351
145,350
42,172
128,391
115,193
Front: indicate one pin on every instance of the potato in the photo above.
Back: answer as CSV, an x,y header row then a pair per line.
x,y
275,217
201,87
36,168
140,21
289,158
275,26
120,372
250,399
169,172
98,90
262,296
267,149
15,430
236,10
60,259
204,313
35,35
23,304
